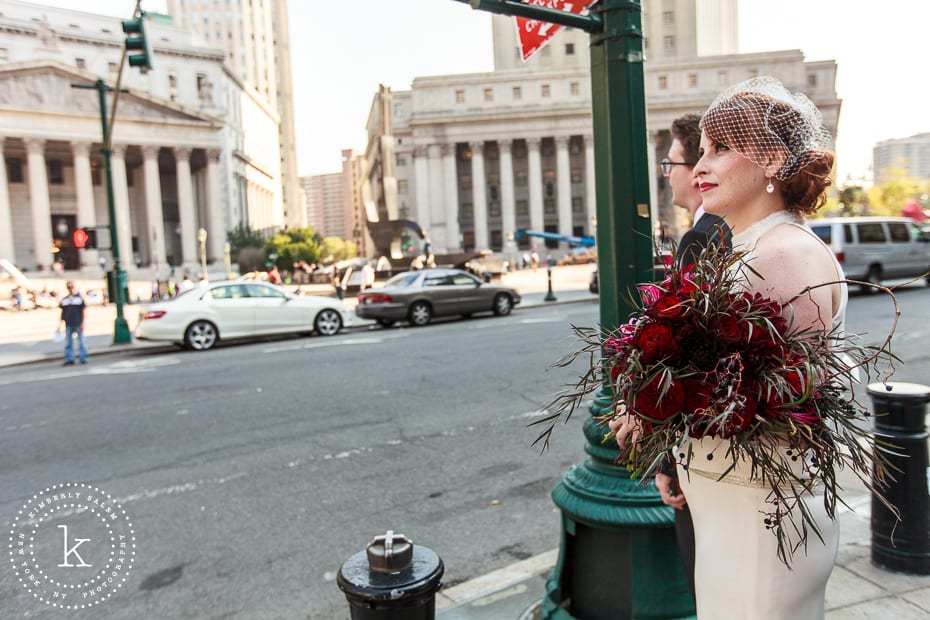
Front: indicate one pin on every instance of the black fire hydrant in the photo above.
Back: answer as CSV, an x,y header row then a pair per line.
x,y
900,412
393,579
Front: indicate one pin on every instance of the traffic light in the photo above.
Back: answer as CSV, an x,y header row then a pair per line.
x,y
84,239
138,41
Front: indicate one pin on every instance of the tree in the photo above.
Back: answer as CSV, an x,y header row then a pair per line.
x,y
292,246
246,247
890,197
334,249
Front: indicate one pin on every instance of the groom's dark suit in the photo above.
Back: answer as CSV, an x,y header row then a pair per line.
x,y
707,230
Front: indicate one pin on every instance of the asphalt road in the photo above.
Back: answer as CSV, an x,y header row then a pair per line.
x,y
251,472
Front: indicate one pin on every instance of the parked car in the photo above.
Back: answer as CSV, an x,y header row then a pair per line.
x,y
206,314
418,296
872,249
579,256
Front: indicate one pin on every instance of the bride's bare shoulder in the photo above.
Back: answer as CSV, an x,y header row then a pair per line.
x,y
789,259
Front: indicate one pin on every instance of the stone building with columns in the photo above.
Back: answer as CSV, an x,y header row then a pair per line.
x,y
478,157
193,147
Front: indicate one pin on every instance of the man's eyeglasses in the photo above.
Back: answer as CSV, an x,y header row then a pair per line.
x,y
666,165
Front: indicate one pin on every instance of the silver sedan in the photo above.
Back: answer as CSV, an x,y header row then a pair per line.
x,y
202,316
418,296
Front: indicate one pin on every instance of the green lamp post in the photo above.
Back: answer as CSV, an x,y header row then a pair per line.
x,y
618,555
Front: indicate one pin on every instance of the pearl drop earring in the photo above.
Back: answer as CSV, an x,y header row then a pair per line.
x,y
770,188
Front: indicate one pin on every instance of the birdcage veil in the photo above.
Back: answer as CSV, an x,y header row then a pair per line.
x,y
759,118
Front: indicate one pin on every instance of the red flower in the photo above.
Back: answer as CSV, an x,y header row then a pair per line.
x,y
731,329
806,414
670,306
697,396
649,293
652,403
656,341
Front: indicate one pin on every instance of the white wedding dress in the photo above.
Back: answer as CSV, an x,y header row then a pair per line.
x,y
738,575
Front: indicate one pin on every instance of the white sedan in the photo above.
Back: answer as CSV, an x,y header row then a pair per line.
x,y
200,317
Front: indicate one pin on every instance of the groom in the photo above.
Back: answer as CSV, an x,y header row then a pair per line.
x,y
706,228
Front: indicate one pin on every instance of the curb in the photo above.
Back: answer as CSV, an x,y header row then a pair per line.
x,y
136,346
496,581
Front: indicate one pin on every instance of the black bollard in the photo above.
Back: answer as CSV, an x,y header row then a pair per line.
x,y
393,579
900,411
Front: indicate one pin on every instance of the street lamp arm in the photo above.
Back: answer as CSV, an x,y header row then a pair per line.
x,y
589,23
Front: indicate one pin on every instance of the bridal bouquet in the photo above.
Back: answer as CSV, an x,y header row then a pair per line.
x,y
700,358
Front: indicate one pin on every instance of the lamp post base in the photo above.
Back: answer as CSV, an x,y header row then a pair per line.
x,y
121,333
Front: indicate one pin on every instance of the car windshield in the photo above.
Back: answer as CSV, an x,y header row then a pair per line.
x,y
403,280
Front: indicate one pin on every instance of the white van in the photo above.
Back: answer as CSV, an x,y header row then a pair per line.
x,y
872,249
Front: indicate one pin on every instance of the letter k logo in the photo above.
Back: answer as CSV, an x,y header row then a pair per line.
x,y
68,552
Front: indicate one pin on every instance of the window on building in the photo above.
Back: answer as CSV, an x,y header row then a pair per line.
x,y
4,54
692,80
468,211
569,49
519,178
465,181
173,85
497,241
489,94
522,208
574,88
401,160
80,63
549,206
494,209
14,170
663,82
546,90
56,175
577,175
95,175
668,42
723,78
402,186
577,204
517,92
460,96
812,80
668,17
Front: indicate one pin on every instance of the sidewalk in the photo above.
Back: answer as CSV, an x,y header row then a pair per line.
x,y
26,337
857,590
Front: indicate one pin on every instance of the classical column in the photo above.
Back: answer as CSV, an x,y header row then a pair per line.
x,y
158,256
564,182
6,218
437,213
121,205
182,158
590,189
451,198
535,181
39,202
508,208
479,195
216,221
84,193
422,180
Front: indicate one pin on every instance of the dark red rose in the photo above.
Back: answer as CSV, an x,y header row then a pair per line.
x,y
797,380
670,306
731,329
652,403
697,396
656,341
743,416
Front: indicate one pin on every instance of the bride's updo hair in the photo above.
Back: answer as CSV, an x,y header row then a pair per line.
x,y
780,132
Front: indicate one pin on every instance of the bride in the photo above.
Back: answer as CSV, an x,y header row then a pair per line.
x,y
763,166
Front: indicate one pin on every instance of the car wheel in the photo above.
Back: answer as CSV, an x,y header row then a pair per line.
x,y
201,336
873,277
327,322
385,322
503,304
420,313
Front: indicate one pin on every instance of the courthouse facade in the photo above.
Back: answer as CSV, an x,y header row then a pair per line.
x,y
193,147
478,157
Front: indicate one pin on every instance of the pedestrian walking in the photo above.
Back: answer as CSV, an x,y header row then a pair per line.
x,y
72,315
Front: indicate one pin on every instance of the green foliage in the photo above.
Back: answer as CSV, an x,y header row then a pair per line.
x,y
251,259
243,237
293,245
334,249
890,197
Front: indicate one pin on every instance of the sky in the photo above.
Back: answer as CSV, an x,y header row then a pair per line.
x,y
342,50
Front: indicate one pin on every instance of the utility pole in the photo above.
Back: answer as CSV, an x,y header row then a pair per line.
x,y
138,42
618,553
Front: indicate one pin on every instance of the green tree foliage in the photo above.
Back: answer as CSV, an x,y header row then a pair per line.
x,y
294,245
890,197
243,237
334,249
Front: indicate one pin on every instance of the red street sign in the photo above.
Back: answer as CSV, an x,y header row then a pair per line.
x,y
80,238
534,34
